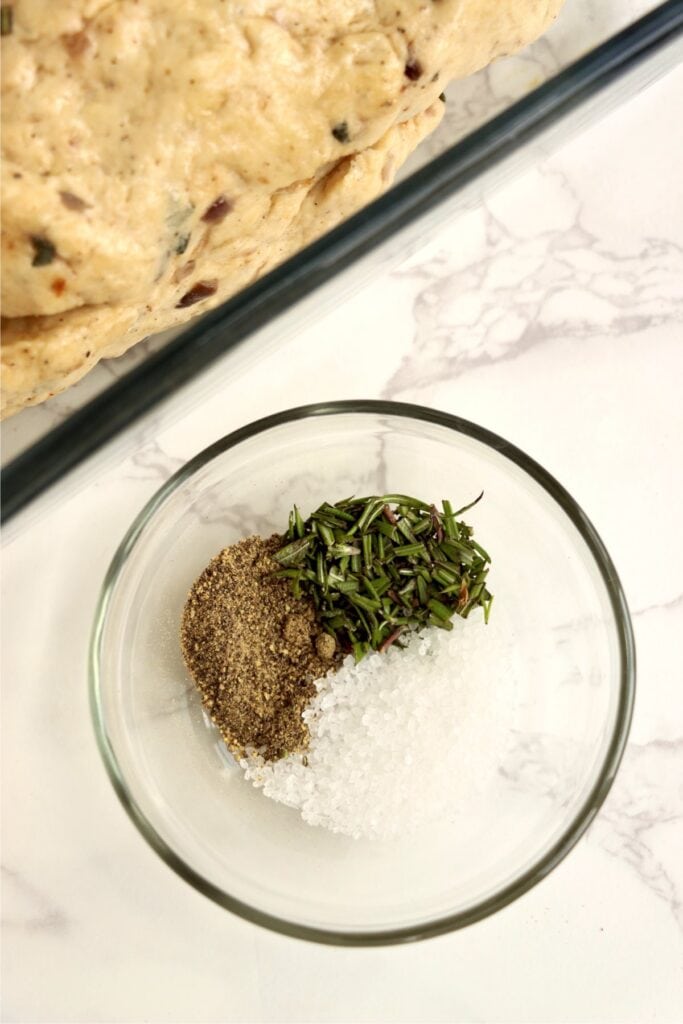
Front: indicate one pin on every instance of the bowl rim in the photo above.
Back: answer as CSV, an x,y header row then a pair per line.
x,y
583,817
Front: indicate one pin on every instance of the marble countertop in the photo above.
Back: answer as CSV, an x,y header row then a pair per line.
x,y
551,314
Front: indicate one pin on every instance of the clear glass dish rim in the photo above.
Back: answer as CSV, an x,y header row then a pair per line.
x,y
576,828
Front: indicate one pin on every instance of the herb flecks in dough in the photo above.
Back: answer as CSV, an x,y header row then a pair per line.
x,y
73,202
218,210
200,290
44,251
182,244
6,19
76,43
341,132
413,69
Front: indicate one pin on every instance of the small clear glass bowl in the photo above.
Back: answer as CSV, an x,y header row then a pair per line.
x,y
557,600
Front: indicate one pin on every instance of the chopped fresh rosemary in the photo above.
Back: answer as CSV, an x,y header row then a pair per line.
x,y
378,566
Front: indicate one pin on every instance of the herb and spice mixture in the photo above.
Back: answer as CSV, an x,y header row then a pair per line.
x,y
269,618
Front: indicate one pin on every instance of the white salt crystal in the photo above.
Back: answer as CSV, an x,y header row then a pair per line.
x,y
402,738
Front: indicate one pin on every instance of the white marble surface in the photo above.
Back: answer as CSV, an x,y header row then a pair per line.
x,y
551,315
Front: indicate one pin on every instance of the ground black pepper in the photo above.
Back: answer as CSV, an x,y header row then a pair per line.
x,y
254,650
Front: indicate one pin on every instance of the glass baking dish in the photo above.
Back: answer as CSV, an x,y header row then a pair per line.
x,y
594,57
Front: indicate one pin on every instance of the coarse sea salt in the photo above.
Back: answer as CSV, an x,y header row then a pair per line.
x,y
401,739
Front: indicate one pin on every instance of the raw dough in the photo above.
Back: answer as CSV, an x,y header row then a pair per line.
x,y
158,156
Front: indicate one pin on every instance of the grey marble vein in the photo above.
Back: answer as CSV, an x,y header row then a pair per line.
x,y
27,908
644,801
525,292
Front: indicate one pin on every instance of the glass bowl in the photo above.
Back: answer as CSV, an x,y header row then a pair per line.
x,y
558,603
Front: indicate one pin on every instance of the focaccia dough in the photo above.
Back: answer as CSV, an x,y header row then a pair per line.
x,y
158,156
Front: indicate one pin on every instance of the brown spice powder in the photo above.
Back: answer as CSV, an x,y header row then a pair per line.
x,y
253,649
